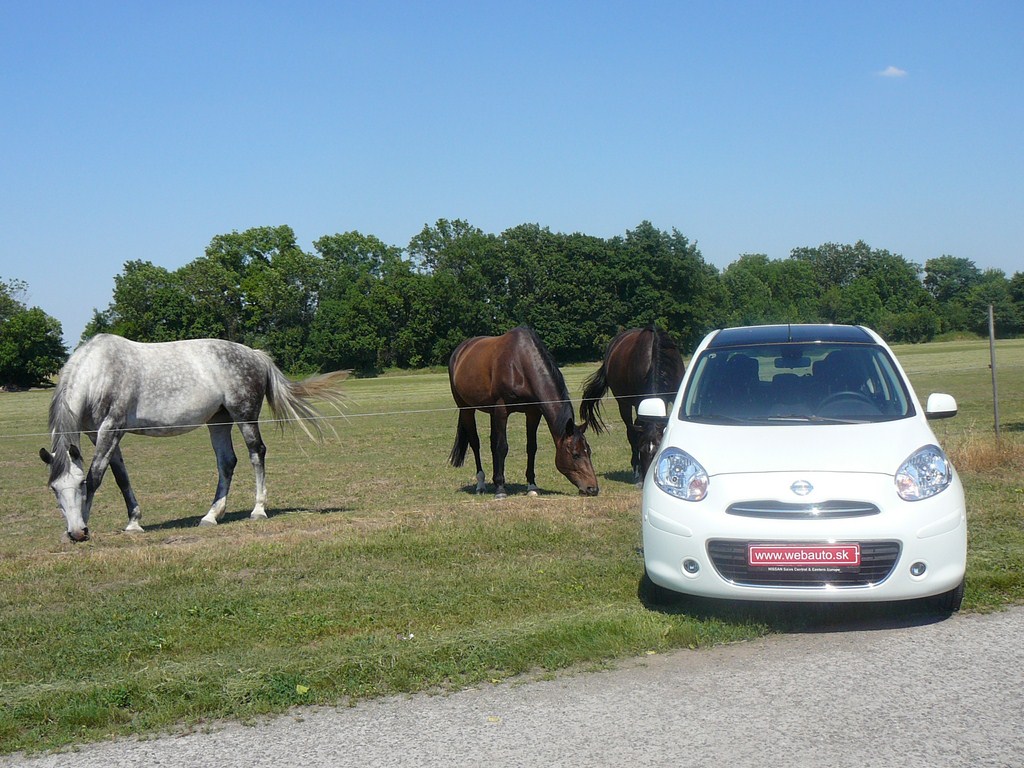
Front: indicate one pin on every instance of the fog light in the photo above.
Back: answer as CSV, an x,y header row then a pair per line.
x,y
691,566
918,569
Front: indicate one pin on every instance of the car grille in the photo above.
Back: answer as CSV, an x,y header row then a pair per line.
x,y
878,558
780,510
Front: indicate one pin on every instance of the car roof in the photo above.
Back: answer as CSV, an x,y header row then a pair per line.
x,y
782,334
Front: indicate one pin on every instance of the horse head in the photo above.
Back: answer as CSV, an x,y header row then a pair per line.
x,y
572,458
651,434
68,483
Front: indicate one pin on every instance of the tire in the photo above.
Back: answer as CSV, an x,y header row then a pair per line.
x,y
950,602
652,594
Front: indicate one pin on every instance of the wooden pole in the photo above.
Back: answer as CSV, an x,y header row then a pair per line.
x,y
992,365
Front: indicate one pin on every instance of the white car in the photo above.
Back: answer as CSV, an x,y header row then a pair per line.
x,y
797,464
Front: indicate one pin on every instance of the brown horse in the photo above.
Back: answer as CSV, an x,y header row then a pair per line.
x,y
639,363
515,373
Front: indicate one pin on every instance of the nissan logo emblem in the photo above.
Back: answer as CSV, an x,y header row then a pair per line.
x,y
801,488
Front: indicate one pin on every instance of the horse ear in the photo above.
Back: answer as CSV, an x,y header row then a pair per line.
x,y
76,455
45,455
570,428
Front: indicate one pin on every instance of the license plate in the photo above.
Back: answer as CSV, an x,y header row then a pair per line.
x,y
803,555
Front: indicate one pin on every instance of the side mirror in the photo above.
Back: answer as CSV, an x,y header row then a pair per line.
x,y
940,406
652,409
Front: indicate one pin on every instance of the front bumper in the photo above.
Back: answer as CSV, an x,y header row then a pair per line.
x,y
909,549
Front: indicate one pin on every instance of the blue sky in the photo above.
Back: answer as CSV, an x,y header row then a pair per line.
x,y
140,130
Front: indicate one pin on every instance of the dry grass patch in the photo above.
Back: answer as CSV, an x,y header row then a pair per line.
x,y
984,454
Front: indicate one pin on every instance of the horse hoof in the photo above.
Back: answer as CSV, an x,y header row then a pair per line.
x,y
258,516
532,494
500,495
134,527
207,521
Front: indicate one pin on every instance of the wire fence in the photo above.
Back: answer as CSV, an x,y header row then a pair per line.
x,y
185,426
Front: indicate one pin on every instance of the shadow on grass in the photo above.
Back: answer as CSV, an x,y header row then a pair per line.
x,y
622,476
192,521
512,489
793,618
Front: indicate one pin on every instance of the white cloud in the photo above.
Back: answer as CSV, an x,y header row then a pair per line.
x,y
892,71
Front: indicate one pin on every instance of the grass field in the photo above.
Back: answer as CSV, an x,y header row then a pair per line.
x,y
380,572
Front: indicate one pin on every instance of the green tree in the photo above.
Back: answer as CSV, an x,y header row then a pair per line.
x,y
214,293
910,327
353,325
746,282
149,304
1017,287
761,290
31,348
949,279
352,255
994,289
662,278
472,260
10,301
281,301
834,264
238,252
558,284
860,303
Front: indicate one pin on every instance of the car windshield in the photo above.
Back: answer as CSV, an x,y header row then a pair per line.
x,y
820,382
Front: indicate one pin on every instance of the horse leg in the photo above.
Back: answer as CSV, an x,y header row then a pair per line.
x,y
532,422
632,434
121,476
106,440
220,438
467,423
499,450
250,430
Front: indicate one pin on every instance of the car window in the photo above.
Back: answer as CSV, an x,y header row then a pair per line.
x,y
820,382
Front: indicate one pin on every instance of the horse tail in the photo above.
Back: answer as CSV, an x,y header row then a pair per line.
x,y
458,454
590,407
290,400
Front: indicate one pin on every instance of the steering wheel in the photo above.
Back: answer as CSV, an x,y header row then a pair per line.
x,y
846,394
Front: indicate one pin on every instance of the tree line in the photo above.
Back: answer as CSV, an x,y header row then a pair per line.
x,y
357,302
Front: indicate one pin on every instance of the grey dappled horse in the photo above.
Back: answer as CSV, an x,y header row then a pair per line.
x,y
111,386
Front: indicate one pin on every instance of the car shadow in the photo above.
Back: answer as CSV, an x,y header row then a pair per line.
x,y
794,618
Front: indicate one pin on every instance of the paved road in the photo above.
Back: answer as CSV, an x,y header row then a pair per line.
x,y
949,693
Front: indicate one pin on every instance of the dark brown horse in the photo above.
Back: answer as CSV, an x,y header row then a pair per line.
x,y
515,373
639,363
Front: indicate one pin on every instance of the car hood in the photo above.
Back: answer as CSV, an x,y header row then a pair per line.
x,y
876,448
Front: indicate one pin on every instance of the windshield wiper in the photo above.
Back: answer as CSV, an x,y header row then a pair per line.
x,y
716,418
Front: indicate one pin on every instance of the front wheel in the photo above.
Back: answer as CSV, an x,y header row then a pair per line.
x,y
652,594
950,602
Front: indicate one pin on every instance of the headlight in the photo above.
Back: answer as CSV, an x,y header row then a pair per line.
x,y
926,473
678,474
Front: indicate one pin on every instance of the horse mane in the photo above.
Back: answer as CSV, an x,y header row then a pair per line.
x,y
565,406
666,363
64,429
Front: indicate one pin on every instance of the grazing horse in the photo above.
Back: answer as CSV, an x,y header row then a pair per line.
x,y
111,386
638,363
515,373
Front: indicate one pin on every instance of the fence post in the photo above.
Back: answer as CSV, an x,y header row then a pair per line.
x,y
992,365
